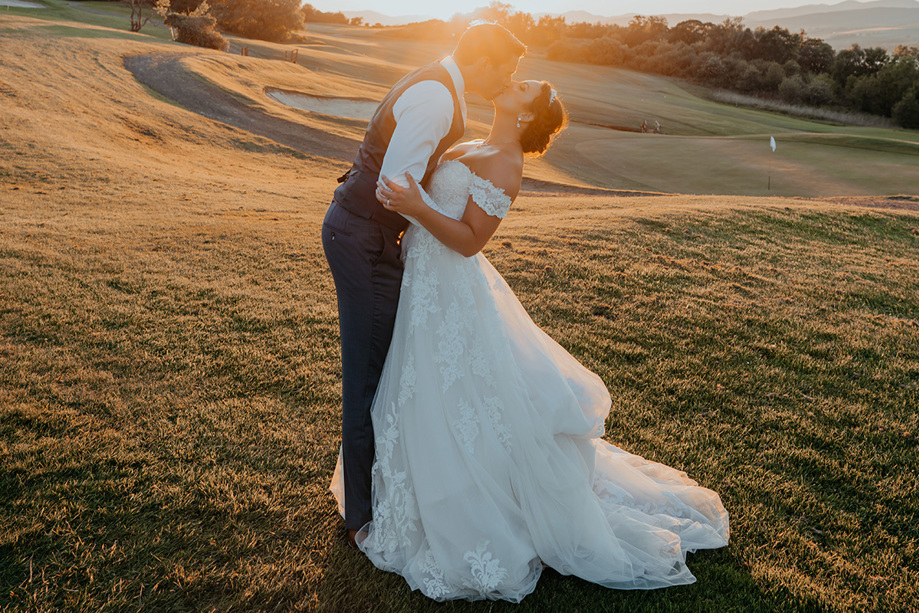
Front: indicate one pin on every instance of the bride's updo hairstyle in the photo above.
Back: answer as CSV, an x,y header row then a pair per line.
x,y
550,118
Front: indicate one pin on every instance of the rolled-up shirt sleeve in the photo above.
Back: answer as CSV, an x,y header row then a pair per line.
x,y
423,114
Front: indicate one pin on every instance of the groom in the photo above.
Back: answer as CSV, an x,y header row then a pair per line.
x,y
420,118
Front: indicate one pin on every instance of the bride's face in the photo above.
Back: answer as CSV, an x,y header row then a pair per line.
x,y
518,97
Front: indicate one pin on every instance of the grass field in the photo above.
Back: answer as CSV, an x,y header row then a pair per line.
x,y
169,368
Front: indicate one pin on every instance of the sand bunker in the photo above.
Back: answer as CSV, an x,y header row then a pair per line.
x,y
352,108
22,4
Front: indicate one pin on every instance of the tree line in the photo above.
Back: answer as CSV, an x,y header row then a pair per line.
x,y
776,63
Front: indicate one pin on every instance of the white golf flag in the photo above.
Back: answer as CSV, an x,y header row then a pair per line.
x,y
772,142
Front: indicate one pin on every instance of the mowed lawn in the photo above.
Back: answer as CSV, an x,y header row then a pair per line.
x,y
170,377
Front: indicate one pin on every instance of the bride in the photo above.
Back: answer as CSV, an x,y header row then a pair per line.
x,y
489,460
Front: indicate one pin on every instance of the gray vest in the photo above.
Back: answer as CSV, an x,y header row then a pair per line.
x,y
358,186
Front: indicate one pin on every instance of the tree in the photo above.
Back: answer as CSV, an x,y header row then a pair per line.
x,y
690,31
314,15
773,75
496,12
185,7
821,90
709,68
674,59
906,111
816,55
273,20
878,93
137,15
519,24
875,59
793,89
546,31
777,45
731,36
195,28
642,29
848,63
905,52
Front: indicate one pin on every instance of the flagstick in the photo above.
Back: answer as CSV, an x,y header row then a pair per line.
x,y
769,165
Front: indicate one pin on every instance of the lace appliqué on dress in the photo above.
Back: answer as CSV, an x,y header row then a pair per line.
x,y
490,199
407,381
450,346
451,186
485,569
494,409
467,425
435,587
396,516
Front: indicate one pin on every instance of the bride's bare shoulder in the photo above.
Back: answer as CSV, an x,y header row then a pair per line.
x,y
460,150
503,170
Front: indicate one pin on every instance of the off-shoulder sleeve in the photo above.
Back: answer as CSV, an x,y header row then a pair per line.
x,y
489,198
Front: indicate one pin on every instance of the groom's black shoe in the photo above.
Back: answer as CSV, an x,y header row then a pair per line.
x,y
355,537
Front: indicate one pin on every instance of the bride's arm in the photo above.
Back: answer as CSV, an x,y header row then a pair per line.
x,y
466,235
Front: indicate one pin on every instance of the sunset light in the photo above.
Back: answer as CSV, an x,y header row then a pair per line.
x,y
603,8
417,306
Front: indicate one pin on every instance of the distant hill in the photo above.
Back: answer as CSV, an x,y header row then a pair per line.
x,y
870,27
813,9
880,23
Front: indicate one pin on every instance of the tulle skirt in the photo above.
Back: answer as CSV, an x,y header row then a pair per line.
x,y
489,458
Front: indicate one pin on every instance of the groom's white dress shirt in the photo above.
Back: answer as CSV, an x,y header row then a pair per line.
x,y
423,114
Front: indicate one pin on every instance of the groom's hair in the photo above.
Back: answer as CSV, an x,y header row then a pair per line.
x,y
488,40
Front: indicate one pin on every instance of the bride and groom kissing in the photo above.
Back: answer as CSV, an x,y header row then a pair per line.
x,y
472,456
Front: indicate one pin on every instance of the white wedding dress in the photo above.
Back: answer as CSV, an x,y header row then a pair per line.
x,y
489,461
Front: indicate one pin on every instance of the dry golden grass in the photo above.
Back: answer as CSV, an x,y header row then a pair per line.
x,y
169,372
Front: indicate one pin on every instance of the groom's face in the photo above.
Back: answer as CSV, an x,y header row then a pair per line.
x,y
495,77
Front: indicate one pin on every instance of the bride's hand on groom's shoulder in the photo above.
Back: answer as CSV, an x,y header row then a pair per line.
x,y
404,200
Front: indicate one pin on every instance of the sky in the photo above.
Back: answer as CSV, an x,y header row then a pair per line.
x,y
605,8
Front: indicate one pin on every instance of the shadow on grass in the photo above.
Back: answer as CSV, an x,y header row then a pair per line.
x,y
91,522
350,583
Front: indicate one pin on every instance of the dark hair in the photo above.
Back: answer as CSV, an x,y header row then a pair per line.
x,y
488,40
549,119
